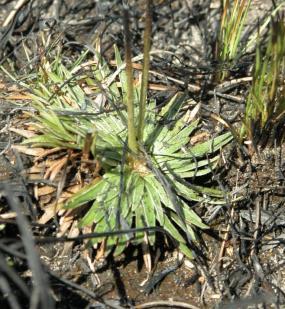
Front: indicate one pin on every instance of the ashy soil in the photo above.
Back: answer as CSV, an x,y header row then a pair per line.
x,y
240,263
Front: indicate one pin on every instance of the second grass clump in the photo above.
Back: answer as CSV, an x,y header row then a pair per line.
x,y
265,106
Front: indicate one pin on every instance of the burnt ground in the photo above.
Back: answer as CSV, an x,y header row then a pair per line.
x,y
241,259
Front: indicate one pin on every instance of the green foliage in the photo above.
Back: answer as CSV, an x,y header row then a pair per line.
x,y
151,190
232,21
265,104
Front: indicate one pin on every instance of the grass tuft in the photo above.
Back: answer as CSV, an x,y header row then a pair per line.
x,y
265,105
157,186
233,17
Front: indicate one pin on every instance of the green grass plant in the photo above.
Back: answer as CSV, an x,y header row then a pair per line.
x,y
232,21
148,165
265,105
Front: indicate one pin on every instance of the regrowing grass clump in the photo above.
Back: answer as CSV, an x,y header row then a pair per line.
x,y
232,22
265,104
147,165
